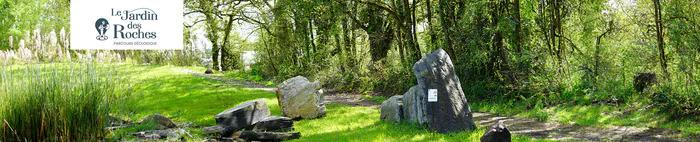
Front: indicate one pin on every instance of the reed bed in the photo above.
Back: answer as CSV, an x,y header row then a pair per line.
x,y
58,102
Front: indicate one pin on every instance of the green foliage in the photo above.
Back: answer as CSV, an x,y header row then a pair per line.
x,y
58,102
22,16
189,56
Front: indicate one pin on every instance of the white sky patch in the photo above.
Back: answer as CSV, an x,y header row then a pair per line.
x,y
620,4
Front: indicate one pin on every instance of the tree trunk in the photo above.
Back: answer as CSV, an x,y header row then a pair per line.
x,y
518,27
445,13
225,52
430,22
659,36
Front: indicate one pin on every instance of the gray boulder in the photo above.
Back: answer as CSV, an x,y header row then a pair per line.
x,y
269,136
208,71
392,109
414,105
242,116
274,124
299,98
161,121
451,112
212,129
498,132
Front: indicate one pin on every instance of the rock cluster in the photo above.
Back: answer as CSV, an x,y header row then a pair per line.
x,y
252,121
161,127
242,116
448,113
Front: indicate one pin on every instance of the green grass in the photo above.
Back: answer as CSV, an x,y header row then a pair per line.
x,y
183,97
346,123
186,97
57,102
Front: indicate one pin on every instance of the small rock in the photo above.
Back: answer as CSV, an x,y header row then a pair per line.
x,y
212,129
242,116
116,127
209,71
152,134
159,119
275,124
497,132
269,136
223,139
392,109
189,125
170,134
114,122
299,98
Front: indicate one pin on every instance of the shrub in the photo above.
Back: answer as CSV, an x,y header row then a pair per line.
x,y
57,102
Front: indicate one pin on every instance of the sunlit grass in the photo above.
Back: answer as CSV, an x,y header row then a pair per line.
x,y
346,123
184,97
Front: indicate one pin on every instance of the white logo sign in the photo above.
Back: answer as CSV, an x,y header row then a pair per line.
x,y
432,95
126,24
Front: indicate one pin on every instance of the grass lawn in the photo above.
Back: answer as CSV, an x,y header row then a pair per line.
x,y
187,98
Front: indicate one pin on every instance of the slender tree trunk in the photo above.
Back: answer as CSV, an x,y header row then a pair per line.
x,y
312,40
269,53
225,53
445,10
430,22
518,27
498,36
416,47
659,36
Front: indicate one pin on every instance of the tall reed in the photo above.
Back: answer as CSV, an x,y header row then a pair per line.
x,y
57,102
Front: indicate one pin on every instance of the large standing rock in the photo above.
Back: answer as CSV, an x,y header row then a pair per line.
x,y
299,98
451,112
498,132
275,124
392,109
241,116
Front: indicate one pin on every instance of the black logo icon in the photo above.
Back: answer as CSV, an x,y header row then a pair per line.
x,y
102,25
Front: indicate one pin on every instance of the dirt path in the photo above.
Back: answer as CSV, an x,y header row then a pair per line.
x,y
333,98
555,131
247,84
517,125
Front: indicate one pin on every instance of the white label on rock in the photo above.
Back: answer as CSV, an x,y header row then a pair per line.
x,y
432,95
